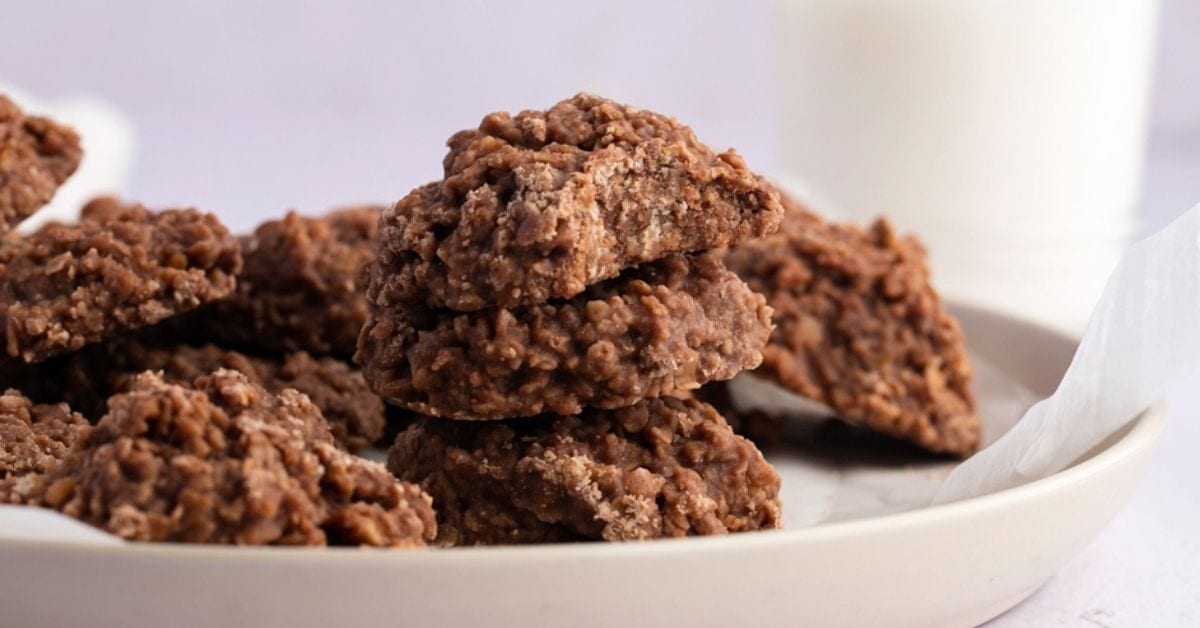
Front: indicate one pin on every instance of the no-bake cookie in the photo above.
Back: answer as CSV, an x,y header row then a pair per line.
x,y
543,204
36,156
87,378
66,286
662,468
299,289
226,462
355,414
666,326
34,438
860,329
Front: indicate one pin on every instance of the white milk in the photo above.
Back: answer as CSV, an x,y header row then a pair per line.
x,y
1008,134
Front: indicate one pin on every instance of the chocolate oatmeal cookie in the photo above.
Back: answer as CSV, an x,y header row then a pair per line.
x,y
541,205
354,413
666,326
299,290
662,468
66,286
226,462
34,438
87,378
860,329
36,156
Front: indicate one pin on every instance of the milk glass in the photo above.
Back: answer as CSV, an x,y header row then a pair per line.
x,y
1007,134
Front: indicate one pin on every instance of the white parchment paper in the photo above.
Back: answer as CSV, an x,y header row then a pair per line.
x,y
1143,336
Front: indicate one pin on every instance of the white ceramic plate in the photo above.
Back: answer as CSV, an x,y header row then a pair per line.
x,y
953,565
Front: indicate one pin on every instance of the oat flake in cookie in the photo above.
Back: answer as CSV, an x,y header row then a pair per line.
x,y
66,286
36,156
665,327
35,438
226,462
543,204
860,329
662,468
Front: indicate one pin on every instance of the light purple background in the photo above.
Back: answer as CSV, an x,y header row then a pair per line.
x,y
247,109
250,108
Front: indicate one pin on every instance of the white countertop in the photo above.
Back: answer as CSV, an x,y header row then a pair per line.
x,y
1144,570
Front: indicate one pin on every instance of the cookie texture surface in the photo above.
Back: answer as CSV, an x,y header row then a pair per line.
x,y
355,414
87,378
662,468
37,155
666,326
67,286
300,287
860,329
226,462
543,204
35,438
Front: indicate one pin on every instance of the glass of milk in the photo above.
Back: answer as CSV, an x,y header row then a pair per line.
x,y
1007,134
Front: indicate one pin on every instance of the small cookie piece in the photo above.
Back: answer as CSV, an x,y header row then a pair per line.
x,y
666,326
541,205
662,468
226,462
35,438
36,156
299,289
860,329
66,286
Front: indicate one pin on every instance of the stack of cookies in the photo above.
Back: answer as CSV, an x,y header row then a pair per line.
x,y
548,309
